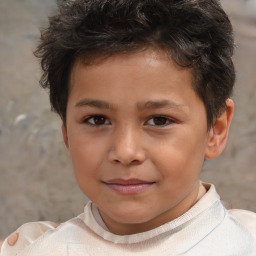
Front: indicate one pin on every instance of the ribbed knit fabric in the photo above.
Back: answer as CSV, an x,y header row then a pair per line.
x,y
207,229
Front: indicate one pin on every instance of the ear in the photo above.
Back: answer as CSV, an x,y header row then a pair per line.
x,y
65,135
218,134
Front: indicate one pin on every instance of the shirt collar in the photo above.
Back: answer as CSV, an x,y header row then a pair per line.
x,y
209,201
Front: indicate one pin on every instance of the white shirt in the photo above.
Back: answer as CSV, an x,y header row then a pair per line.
x,y
206,229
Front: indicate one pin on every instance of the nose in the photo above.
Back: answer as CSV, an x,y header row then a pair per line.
x,y
126,147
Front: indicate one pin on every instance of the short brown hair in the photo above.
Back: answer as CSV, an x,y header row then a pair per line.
x,y
196,34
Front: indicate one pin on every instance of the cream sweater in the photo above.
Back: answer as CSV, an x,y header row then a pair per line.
x,y
207,229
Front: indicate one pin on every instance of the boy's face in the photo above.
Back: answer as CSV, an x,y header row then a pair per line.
x,y
137,135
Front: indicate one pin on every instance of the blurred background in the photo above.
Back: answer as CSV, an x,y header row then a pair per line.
x,y
36,178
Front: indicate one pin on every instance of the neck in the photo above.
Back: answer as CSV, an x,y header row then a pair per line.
x,y
178,210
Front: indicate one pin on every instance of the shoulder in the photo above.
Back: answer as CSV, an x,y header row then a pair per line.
x,y
245,218
24,236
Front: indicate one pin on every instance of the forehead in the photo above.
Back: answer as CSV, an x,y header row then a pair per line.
x,y
149,74
134,82
149,63
151,70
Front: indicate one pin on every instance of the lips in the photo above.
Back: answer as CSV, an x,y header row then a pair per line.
x,y
131,186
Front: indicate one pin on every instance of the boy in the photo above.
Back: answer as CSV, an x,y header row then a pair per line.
x,y
143,89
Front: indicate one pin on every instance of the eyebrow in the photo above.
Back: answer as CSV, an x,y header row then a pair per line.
x,y
141,106
94,103
159,104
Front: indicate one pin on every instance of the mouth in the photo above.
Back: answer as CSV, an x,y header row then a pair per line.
x,y
132,186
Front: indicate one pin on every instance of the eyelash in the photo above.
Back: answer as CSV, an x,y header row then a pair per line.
x,y
167,120
87,120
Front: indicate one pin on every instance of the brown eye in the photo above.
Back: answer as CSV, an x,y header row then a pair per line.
x,y
97,120
159,121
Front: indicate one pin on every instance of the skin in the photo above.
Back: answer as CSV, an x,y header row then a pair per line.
x,y
136,119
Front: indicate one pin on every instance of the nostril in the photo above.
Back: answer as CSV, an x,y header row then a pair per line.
x,y
126,160
135,161
126,150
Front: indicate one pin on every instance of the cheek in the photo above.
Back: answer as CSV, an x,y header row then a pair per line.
x,y
85,165
86,155
179,169
178,160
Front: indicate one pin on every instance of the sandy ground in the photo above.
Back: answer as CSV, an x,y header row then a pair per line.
x,y
36,179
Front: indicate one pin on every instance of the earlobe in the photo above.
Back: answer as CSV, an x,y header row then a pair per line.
x,y
65,135
218,134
